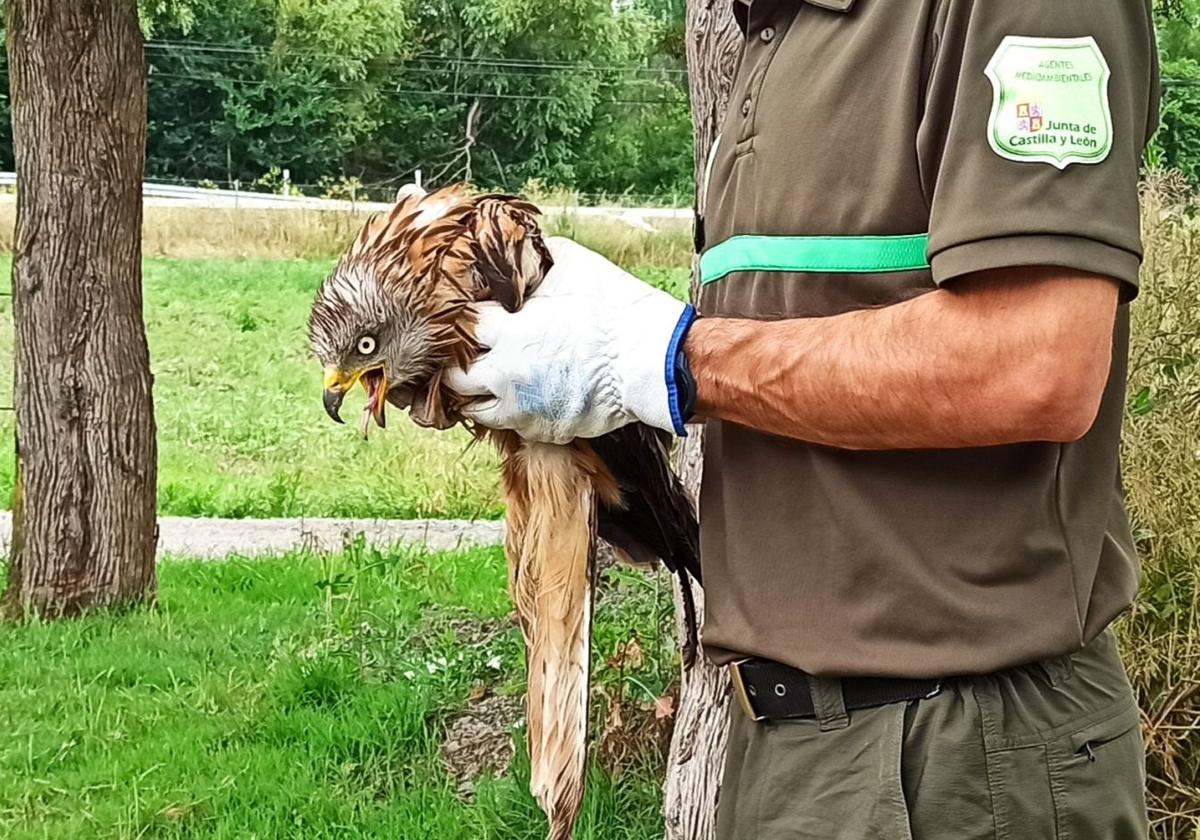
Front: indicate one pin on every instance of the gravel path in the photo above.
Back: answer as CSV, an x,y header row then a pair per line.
x,y
216,538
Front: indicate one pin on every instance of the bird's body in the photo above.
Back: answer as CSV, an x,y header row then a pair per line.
x,y
398,310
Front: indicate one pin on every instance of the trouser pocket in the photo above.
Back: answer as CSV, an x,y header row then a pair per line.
x,y
1085,785
1099,781
1022,798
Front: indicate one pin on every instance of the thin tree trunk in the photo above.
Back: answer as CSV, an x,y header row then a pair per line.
x,y
84,527
698,742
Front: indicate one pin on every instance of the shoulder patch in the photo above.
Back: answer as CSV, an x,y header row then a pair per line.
x,y
1050,101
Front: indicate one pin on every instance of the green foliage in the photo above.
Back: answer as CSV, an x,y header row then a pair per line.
x,y
492,91
1177,144
178,14
299,696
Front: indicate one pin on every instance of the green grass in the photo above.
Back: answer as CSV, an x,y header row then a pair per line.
x,y
297,697
237,400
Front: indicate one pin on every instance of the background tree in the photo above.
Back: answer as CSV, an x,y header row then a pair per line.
x,y
697,754
570,94
84,518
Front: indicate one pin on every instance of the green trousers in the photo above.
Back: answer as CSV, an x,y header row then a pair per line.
x,y
1050,751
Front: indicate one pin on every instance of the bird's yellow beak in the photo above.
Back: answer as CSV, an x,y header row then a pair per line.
x,y
337,379
337,383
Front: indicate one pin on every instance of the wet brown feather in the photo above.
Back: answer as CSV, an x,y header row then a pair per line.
x,y
441,254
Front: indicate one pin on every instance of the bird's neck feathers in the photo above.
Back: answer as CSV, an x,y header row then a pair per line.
x,y
443,251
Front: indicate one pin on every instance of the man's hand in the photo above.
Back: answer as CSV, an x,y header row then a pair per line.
x,y
591,351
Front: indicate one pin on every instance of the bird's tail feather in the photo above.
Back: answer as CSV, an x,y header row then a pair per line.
x,y
551,534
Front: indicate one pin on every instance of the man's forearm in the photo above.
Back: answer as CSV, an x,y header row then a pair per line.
x,y
1004,358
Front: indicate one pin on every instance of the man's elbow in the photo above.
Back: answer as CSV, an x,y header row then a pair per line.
x,y
1063,401
1054,358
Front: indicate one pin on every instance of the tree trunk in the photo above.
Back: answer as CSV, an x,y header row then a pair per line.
x,y
698,742
84,512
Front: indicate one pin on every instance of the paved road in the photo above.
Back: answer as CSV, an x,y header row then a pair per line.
x,y
215,538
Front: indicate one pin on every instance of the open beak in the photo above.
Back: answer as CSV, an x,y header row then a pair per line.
x,y
338,382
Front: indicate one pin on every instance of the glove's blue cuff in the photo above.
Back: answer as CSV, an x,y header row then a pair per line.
x,y
677,370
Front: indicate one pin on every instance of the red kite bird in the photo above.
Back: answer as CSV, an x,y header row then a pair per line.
x,y
398,310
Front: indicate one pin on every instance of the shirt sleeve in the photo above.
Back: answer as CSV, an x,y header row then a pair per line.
x,y
1032,133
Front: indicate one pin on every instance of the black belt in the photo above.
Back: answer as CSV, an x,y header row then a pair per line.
x,y
772,691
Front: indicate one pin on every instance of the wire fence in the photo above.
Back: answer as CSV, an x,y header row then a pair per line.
x,y
418,74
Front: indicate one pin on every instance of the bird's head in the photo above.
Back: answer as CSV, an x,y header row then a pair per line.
x,y
364,332
398,308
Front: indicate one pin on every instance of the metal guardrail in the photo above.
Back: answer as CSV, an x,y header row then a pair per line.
x,y
170,194
176,195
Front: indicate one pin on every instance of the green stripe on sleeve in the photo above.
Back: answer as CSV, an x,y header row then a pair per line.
x,y
815,254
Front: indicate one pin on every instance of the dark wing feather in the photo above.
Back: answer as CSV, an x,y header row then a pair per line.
x,y
657,519
510,254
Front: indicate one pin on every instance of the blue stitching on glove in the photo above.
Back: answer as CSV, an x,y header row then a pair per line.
x,y
673,350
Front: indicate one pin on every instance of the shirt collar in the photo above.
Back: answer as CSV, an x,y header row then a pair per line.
x,y
833,5
741,8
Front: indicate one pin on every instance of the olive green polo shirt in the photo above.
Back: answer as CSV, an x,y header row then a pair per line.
x,y
874,151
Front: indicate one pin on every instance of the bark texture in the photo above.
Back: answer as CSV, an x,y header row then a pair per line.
x,y
84,527
698,742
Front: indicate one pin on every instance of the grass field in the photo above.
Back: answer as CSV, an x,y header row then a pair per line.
x,y
306,697
237,399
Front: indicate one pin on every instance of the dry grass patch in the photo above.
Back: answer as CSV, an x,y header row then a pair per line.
x,y
1161,635
207,233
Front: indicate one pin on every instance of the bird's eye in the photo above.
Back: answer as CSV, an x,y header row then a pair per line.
x,y
366,345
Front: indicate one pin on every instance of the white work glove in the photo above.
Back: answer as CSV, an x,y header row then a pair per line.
x,y
593,350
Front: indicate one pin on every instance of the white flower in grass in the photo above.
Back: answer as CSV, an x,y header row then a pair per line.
x,y
494,663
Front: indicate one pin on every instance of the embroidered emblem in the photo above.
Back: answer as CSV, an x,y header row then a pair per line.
x,y
1050,101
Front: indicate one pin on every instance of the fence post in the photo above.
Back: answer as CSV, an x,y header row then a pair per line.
x,y
287,182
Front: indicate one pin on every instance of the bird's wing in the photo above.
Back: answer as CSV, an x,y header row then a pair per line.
x,y
510,253
652,517
656,518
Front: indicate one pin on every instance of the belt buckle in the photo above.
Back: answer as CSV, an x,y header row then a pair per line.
x,y
739,687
